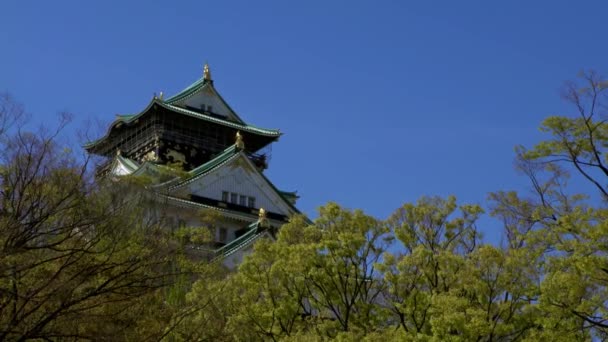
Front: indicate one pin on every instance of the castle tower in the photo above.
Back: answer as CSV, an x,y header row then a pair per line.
x,y
222,159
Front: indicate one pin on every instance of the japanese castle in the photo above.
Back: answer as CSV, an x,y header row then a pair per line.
x,y
223,161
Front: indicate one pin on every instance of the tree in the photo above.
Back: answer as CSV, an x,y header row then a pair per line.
x,y
340,277
81,258
317,279
431,259
78,259
446,285
564,236
580,141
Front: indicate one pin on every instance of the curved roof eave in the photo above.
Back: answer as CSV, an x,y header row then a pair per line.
x,y
243,127
120,120
137,169
205,168
125,119
242,241
131,165
245,217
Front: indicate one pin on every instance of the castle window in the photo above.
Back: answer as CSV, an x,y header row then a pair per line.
x,y
235,198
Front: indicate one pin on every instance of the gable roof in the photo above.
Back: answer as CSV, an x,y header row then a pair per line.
x,y
227,156
128,119
203,88
123,166
131,167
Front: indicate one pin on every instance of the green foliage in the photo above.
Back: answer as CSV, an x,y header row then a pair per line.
x,y
79,259
581,141
82,260
424,274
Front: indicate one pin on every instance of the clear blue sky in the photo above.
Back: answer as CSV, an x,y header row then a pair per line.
x,y
381,102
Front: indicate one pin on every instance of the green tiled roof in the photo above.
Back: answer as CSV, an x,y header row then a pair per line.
x,y
218,160
225,157
289,194
128,163
281,193
124,116
242,127
130,118
194,88
239,243
191,89
237,215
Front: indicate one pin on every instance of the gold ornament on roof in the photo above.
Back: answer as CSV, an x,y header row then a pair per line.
x,y
206,72
160,96
150,156
262,221
240,144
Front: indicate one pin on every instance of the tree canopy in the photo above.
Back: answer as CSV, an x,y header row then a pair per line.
x,y
80,260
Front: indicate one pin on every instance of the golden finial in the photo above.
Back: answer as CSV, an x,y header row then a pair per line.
x,y
240,144
118,152
160,96
206,72
262,217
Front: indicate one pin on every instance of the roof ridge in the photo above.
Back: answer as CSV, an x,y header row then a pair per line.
x,y
187,91
252,230
132,164
211,168
195,88
239,215
244,126
239,126
229,151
